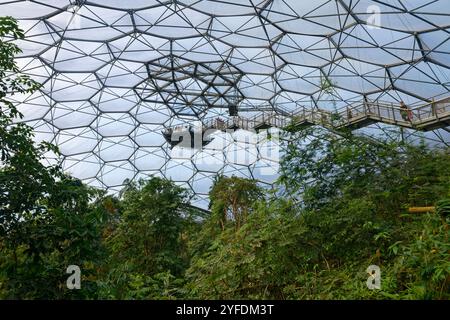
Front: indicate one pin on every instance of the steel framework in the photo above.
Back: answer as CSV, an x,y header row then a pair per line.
x,y
116,73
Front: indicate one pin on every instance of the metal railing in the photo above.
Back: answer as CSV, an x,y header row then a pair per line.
x,y
357,113
396,114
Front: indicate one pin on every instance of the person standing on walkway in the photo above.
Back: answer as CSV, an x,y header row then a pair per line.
x,y
404,111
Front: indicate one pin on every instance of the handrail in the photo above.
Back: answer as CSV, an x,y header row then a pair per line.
x,y
355,113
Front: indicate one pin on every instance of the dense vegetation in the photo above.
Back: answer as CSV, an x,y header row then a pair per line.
x,y
340,205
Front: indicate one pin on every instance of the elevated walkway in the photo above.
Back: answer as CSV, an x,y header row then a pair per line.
x,y
425,117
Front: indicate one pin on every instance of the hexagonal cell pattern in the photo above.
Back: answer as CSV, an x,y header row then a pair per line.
x,y
116,73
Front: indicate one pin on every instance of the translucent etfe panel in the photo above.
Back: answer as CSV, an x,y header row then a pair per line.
x,y
154,113
147,135
83,56
72,86
265,171
32,107
422,78
116,99
139,48
114,124
76,141
115,148
228,8
120,4
115,173
209,160
66,115
149,158
179,169
122,72
437,46
202,182
35,68
83,166
161,21
39,37
30,9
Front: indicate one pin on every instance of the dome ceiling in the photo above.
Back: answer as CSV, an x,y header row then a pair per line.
x,y
115,73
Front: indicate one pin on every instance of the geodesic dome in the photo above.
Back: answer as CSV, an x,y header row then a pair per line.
x,y
116,73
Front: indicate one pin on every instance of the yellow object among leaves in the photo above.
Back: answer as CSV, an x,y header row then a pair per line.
x,y
421,209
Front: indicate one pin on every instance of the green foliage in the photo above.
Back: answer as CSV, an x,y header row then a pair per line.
x,y
422,266
326,85
66,231
11,79
347,210
255,261
47,219
232,199
323,167
147,245
443,207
